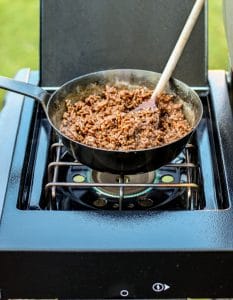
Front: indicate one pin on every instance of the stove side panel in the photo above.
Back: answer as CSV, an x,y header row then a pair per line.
x,y
9,123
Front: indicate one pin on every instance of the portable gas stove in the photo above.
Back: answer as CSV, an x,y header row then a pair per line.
x,y
68,231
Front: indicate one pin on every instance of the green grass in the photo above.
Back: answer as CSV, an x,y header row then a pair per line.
x,y
19,32
218,57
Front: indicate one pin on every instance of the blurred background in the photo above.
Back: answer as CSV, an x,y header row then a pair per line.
x,y
19,32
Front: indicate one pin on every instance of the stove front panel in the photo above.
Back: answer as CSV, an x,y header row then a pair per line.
x,y
116,275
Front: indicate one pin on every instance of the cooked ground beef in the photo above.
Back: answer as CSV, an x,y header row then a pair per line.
x,y
106,119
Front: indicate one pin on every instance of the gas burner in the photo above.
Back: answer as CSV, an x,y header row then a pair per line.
x,y
83,191
129,192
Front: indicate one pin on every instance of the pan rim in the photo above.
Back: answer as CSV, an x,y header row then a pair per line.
x,y
122,151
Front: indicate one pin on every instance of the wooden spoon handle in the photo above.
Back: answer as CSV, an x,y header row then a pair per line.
x,y
179,47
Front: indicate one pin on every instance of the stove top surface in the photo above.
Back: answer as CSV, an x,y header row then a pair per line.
x,y
99,221
52,180
196,191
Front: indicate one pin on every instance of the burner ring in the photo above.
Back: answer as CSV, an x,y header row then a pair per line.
x,y
129,192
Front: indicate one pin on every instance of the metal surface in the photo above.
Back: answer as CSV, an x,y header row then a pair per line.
x,y
114,161
222,113
9,119
91,35
67,251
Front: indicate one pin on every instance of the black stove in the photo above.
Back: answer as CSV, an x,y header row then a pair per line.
x,y
70,227
187,183
70,232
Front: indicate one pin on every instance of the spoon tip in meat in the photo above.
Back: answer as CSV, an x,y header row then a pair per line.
x,y
148,104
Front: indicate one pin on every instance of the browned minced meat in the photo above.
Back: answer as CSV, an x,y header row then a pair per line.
x,y
106,120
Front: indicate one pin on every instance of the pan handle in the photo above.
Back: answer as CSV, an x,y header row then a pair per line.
x,y
25,89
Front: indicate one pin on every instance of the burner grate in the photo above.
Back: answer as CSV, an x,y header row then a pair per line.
x,y
188,182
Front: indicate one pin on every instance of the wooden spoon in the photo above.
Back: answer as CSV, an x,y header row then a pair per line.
x,y
175,56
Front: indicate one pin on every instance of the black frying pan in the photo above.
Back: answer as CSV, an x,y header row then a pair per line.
x,y
113,161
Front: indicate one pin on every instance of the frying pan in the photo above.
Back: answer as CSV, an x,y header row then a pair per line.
x,y
113,161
